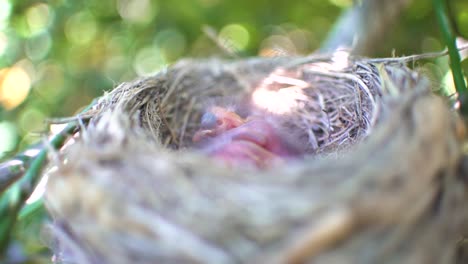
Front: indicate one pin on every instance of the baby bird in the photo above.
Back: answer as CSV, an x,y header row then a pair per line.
x,y
234,140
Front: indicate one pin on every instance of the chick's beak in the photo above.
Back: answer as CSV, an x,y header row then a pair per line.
x,y
216,122
202,134
226,119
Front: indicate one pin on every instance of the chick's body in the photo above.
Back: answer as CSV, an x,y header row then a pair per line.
x,y
234,140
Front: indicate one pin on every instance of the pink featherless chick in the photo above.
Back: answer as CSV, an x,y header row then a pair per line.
x,y
226,136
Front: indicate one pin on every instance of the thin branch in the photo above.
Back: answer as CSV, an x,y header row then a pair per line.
x,y
361,27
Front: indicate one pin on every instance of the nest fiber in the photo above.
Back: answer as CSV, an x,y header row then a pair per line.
x,y
381,178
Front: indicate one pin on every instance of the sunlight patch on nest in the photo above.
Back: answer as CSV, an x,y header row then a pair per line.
x,y
282,100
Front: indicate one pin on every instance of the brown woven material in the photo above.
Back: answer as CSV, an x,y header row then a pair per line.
x,y
379,183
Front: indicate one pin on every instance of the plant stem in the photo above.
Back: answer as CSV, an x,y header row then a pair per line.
x,y
12,200
449,39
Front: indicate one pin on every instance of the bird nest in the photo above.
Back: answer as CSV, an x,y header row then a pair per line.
x,y
379,178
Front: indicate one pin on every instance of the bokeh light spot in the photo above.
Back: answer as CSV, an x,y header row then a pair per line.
x,y
137,11
31,120
3,43
149,60
28,67
463,23
301,39
430,44
81,28
9,136
341,3
5,9
38,17
277,45
172,43
115,67
50,82
236,34
14,86
38,47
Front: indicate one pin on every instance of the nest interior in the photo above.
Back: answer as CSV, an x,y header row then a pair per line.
x,y
381,180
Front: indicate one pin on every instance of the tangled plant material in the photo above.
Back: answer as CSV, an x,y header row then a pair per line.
x,y
379,183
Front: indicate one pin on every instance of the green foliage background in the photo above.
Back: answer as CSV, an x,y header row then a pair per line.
x,y
72,51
